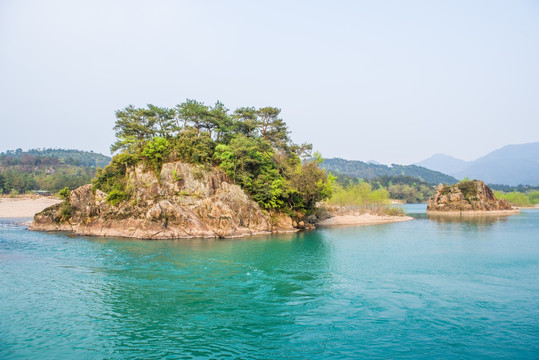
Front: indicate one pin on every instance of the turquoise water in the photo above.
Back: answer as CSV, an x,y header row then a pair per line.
x,y
418,289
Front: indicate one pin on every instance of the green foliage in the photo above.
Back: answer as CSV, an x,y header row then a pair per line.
x,y
64,213
113,176
155,152
47,169
251,146
116,196
358,195
514,198
311,185
361,196
407,188
468,189
410,194
52,158
133,127
64,194
367,171
189,147
519,188
175,175
534,197
17,180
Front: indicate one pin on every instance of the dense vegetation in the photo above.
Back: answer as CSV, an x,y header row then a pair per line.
x,y
251,145
517,198
47,169
405,188
361,196
509,188
367,171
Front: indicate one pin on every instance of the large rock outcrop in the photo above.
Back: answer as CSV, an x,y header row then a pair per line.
x,y
467,197
186,201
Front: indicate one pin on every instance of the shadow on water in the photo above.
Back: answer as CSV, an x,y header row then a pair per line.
x,y
467,223
205,297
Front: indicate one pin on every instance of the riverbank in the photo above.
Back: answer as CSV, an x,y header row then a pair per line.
x,y
24,206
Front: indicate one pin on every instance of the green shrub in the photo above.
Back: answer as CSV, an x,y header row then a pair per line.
x,y
65,211
534,197
514,198
155,153
64,194
116,196
469,189
192,148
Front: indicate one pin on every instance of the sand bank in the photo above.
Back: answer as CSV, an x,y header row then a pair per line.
x,y
362,219
24,207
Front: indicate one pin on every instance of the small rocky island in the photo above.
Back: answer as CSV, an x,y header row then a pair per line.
x,y
467,198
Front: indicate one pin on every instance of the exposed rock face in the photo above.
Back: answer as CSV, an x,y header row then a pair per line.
x,y
188,201
468,196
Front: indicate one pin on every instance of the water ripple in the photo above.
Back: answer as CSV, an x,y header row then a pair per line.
x,y
420,289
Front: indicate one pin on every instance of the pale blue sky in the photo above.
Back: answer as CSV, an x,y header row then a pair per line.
x,y
392,81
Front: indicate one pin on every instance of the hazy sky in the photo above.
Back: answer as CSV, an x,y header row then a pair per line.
x,y
392,81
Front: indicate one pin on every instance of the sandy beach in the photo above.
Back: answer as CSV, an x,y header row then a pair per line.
x,y
362,219
24,207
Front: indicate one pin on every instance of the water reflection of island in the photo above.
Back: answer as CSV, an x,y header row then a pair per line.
x,y
467,219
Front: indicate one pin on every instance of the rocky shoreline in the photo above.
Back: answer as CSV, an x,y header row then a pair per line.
x,y
185,201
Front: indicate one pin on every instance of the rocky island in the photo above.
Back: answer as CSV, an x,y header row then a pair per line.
x,y
186,201
467,198
195,171
200,171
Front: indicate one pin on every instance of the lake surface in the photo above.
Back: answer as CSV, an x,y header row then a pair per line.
x,y
418,289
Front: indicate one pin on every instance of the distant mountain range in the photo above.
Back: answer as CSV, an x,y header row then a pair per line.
x,y
511,165
360,169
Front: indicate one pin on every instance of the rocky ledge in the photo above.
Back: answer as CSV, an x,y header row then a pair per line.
x,y
467,197
186,201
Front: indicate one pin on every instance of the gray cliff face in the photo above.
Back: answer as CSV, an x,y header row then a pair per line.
x,y
472,195
188,201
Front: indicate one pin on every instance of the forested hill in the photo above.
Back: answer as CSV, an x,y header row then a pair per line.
x,y
47,169
45,157
368,171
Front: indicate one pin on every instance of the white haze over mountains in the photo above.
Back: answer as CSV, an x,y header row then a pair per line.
x,y
393,81
510,165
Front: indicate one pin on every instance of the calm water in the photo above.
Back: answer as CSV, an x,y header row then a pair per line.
x,y
419,289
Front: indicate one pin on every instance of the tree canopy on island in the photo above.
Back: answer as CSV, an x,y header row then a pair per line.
x,y
251,145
